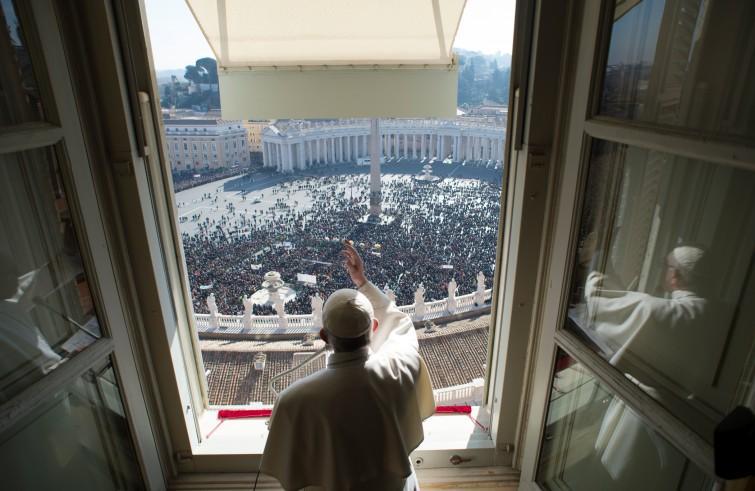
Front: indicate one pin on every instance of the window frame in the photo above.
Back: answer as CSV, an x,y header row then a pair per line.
x,y
61,131
587,50
180,381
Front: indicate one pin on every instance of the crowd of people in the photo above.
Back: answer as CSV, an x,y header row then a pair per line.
x,y
430,233
186,179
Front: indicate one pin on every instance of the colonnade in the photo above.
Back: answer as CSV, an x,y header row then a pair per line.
x,y
303,146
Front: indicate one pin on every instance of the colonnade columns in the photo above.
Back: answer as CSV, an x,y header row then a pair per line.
x,y
302,163
422,146
414,147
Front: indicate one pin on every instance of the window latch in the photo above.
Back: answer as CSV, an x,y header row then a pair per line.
x,y
457,459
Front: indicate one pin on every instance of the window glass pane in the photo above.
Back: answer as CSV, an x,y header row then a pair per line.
x,y
46,309
594,441
79,437
663,277
19,91
687,63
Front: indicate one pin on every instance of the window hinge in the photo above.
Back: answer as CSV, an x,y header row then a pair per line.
x,y
124,168
183,456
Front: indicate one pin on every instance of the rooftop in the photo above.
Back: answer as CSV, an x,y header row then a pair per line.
x,y
455,354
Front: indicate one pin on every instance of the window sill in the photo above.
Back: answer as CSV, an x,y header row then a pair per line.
x,y
445,435
478,478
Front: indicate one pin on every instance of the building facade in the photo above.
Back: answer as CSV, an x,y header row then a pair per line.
x,y
203,144
254,133
296,145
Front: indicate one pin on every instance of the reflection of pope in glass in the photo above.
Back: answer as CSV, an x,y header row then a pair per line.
x,y
666,338
24,353
669,334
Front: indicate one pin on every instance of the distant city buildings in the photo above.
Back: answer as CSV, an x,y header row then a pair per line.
x,y
204,144
294,145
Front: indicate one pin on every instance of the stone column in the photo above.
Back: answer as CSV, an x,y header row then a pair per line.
x,y
422,146
479,294
414,147
451,301
420,309
317,303
213,308
375,198
406,145
302,160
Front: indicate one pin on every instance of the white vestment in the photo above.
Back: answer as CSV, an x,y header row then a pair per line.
x,y
674,341
352,425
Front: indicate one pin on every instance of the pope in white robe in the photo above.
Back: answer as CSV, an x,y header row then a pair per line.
x,y
353,425
675,341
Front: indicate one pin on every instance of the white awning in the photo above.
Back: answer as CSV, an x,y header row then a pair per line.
x,y
333,58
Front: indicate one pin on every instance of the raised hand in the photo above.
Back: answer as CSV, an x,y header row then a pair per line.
x,y
353,264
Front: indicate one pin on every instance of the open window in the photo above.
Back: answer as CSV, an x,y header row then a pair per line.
x,y
258,207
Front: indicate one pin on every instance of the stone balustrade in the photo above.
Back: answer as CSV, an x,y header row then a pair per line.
x,y
297,325
470,393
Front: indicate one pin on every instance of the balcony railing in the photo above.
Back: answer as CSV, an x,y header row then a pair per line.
x,y
291,325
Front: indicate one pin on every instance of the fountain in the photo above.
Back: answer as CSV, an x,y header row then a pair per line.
x,y
427,175
273,288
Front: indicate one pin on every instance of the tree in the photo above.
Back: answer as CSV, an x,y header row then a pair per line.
x,y
204,71
208,67
192,74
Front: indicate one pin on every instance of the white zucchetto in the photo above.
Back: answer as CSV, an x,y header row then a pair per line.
x,y
347,314
687,259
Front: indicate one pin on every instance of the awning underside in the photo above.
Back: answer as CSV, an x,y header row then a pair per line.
x,y
257,33
333,58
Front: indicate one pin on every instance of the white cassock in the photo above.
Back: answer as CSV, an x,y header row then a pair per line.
x,y
352,425
674,340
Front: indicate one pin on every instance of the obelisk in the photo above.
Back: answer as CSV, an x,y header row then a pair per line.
x,y
375,194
